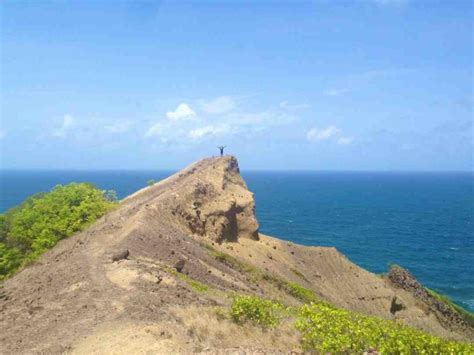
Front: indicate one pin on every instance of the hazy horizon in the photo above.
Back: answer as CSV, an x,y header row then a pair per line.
x,y
268,170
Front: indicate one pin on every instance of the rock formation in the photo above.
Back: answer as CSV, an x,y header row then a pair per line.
x,y
403,279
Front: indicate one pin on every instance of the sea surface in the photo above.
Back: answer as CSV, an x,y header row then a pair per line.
x,y
421,221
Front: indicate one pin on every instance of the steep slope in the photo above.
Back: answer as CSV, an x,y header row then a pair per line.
x,y
148,276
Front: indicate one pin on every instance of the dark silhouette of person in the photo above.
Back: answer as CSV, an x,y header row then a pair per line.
x,y
221,148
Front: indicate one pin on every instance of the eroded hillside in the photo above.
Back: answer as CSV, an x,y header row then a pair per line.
x,y
154,275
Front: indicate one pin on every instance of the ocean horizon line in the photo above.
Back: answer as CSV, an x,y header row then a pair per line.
x,y
170,170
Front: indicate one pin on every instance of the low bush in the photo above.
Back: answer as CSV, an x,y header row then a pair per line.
x,y
326,329
262,312
35,226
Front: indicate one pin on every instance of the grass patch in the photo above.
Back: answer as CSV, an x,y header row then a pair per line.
x,y
298,273
302,293
207,246
232,262
196,285
259,311
254,273
292,288
465,314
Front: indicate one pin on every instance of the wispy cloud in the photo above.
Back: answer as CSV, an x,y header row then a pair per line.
x,y
211,130
287,106
118,127
356,81
156,130
182,112
219,105
335,92
345,140
66,126
317,134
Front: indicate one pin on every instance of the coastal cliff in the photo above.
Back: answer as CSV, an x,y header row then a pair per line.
x,y
153,274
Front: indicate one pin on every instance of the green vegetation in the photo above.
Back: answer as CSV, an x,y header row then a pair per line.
x,y
36,225
465,314
296,290
226,259
196,285
326,329
151,182
233,262
298,273
303,294
262,312
292,288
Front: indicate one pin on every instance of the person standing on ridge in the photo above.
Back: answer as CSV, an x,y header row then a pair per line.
x,y
221,148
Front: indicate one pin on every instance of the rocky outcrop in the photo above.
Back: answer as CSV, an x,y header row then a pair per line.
x,y
216,203
402,278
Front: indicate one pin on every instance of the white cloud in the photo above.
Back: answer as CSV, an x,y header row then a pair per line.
x,y
118,127
182,112
345,140
68,122
316,134
287,106
209,131
219,105
156,130
335,92
229,122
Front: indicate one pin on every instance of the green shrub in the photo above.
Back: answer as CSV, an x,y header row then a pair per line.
x,y
151,182
326,329
262,312
35,226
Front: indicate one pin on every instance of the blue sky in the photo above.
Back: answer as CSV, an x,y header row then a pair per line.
x,y
318,85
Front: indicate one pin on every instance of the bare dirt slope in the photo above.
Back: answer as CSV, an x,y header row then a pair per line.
x,y
114,288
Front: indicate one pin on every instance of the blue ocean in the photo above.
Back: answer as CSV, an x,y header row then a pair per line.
x,y
421,221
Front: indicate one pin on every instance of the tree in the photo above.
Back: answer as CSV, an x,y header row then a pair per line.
x,y
28,230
